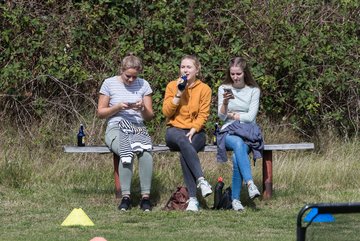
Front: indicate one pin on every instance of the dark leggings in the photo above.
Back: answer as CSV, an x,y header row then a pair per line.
x,y
176,139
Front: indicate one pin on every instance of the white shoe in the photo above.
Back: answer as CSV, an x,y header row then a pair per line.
x,y
253,191
236,205
204,186
193,204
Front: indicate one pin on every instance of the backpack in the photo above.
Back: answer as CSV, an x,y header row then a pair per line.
x,y
222,200
225,201
178,199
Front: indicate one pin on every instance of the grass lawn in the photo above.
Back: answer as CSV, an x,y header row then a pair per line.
x,y
39,189
37,215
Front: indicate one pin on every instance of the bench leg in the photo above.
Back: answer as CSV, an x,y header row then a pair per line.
x,y
267,174
116,176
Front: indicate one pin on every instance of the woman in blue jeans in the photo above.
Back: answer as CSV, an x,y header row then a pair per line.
x,y
238,104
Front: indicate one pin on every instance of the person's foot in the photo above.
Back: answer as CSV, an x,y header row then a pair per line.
x,y
204,187
236,205
253,190
145,204
193,204
125,204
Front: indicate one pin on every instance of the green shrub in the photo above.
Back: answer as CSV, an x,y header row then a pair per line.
x,y
305,55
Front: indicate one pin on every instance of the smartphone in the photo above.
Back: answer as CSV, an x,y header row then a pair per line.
x,y
229,91
131,104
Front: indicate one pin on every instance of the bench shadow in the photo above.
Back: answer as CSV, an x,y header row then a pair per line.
x,y
245,199
155,196
158,190
93,190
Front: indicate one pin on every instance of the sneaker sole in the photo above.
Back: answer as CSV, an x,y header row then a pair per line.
x,y
191,210
255,196
207,194
239,210
124,209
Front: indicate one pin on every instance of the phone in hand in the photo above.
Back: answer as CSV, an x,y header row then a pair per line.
x,y
229,91
131,105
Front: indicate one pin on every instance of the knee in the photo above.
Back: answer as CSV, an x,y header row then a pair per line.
x,y
146,156
179,141
240,145
183,141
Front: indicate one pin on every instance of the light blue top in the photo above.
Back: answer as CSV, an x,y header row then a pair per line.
x,y
120,92
246,103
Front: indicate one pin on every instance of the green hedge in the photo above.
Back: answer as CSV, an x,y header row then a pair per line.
x,y
304,54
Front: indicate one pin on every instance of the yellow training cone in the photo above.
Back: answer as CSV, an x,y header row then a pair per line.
x,y
77,217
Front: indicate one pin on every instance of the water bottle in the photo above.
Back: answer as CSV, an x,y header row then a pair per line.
x,y
218,192
182,85
216,131
81,136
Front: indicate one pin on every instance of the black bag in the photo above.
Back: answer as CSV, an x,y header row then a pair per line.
x,y
178,199
225,201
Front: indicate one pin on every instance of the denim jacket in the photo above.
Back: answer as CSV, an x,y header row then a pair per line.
x,y
249,132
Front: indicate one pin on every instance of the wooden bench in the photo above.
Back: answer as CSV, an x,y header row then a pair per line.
x,y
267,160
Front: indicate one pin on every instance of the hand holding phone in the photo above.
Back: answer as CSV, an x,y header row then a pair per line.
x,y
228,93
131,105
135,105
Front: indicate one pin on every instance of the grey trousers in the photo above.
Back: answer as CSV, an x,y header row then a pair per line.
x,y
126,170
189,159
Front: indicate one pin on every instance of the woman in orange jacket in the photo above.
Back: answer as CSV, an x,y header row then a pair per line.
x,y
187,107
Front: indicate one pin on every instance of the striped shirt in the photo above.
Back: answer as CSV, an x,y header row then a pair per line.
x,y
134,139
120,92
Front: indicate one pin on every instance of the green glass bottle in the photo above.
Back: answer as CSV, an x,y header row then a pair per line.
x,y
81,136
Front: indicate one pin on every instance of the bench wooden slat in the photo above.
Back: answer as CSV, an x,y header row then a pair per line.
x,y
86,149
208,148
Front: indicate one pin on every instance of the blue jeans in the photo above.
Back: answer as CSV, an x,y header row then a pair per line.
x,y
241,163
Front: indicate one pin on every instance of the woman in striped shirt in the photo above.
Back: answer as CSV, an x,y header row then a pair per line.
x,y
125,101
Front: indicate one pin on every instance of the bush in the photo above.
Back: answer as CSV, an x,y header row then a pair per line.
x,y
304,55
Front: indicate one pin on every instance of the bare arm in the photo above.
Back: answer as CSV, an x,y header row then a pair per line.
x,y
105,111
147,110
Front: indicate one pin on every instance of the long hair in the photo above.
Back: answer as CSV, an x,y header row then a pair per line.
x,y
131,62
240,62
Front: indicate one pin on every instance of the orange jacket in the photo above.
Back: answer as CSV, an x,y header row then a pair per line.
x,y
193,109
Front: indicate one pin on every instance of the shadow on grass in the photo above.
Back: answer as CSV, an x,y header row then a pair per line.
x,y
93,190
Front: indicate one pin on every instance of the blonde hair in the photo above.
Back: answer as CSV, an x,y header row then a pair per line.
x,y
195,60
131,62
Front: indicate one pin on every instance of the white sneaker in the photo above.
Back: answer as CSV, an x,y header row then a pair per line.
x,y
236,205
193,204
253,191
204,186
